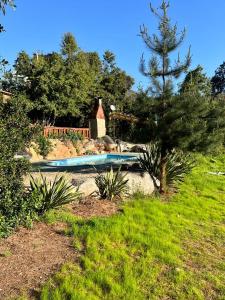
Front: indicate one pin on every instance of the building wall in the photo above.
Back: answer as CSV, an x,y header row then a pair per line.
x,y
97,128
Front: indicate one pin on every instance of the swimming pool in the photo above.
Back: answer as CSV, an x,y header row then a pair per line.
x,y
92,160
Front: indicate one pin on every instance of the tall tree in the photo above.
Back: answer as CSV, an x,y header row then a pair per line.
x,y
69,46
218,80
60,87
189,120
17,80
196,82
161,73
115,83
109,61
23,64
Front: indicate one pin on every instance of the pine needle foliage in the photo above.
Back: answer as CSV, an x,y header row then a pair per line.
x,y
188,119
159,68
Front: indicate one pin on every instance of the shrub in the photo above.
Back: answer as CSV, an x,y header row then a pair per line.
x,y
48,195
112,184
44,145
178,164
90,152
72,136
15,135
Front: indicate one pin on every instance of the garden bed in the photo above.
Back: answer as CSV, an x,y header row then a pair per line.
x,y
30,256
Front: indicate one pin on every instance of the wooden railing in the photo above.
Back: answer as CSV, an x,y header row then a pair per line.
x,y
57,131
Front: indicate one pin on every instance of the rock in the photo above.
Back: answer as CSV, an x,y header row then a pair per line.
x,y
109,143
34,154
61,150
88,187
137,182
138,149
108,140
90,146
111,147
140,182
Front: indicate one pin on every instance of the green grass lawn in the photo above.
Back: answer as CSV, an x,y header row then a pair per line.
x,y
153,249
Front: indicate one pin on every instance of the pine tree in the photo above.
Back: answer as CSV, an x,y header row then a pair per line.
x,y
189,119
23,64
218,80
162,73
69,46
196,82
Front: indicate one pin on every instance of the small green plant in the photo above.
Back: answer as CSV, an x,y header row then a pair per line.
x,y
72,136
90,152
112,184
44,145
178,164
50,195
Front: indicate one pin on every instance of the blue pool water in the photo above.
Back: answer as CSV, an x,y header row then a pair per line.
x,y
91,160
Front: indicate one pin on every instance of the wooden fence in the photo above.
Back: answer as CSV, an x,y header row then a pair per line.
x,y
58,131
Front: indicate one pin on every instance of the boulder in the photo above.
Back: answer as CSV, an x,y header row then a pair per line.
x,y
61,150
138,149
108,140
90,146
109,143
140,182
111,147
137,182
88,187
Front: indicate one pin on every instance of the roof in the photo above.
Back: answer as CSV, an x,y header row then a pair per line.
x,y
98,112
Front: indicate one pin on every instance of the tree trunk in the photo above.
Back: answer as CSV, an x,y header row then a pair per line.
x,y
162,188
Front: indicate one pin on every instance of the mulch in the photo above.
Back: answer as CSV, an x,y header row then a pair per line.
x,y
29,257
91,207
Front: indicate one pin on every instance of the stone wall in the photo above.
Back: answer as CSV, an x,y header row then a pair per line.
x,y
60,150
65,149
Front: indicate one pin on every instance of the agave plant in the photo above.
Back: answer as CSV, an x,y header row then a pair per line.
x,y
112,184
50,195
150,162
178,164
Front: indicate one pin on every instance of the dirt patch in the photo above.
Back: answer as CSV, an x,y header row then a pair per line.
x,y
29,257
92,207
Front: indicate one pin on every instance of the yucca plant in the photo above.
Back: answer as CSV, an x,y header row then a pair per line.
x,y
112,184
150,162
178,164
50,195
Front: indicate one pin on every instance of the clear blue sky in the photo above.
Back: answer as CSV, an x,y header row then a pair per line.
x,y
98,25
